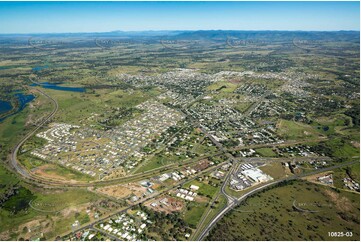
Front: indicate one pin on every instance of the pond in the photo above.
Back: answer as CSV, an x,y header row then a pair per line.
x,y
5,106
22,99
39,68
55,86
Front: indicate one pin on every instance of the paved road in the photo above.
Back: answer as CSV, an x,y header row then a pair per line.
x,y
155,152
58,183
221,192
231,202
108,234
271,145
272,159
13,160
231,205
181,183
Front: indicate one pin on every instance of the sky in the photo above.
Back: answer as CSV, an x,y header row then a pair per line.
x,y
66,17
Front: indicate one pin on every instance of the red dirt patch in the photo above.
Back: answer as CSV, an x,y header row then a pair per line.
x,y
166,204
46,171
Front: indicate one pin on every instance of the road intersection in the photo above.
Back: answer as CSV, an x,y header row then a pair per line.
x,y
202,230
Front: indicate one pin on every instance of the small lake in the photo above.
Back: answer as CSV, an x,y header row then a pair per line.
x,y
5,106
8,67
39,68
55,86
23,99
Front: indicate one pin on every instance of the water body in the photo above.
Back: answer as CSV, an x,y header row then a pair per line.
x,y
5,106
8,67
55,86
22,99
39,68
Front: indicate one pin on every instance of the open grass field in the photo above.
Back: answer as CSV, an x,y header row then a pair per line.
x,y
291,130
76,106
204,188
355,172
11,128
316,85
266,152
222,86
51,170
30,162
62,173
242,106
157,161
352,172
342,148
203,149
333,124
49,212
219,204
352,133
276,214
200,148
39,108
275,169
194,212
7,179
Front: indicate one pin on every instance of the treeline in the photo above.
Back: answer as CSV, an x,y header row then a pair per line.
x,y
168,226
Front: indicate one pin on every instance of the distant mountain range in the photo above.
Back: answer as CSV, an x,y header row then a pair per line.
x,y
204,35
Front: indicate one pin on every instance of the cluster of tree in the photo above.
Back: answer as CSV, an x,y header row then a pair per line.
x,y
230,143
117,115
168,226
10,191
354,113
19,200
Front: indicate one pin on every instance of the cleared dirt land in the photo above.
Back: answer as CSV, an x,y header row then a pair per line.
x,y
166,204
123,191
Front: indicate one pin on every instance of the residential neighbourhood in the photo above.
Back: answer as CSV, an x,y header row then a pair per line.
x,y
180,121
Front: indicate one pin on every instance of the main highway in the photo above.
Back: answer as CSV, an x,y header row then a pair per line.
x,y
235,201
154,195
53,183
231,201
13,160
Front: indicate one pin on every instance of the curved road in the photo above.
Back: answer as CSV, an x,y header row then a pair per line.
x,y
58,183
13,160
232,202
236,201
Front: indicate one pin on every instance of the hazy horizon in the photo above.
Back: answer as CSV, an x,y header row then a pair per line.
x,y
91,17
182,30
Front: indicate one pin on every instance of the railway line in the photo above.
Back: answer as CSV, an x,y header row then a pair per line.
x,y
53,183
